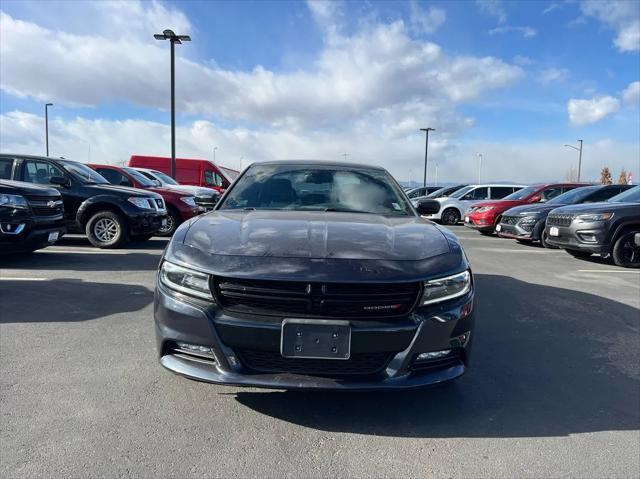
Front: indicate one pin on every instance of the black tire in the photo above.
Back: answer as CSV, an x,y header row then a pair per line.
x,y
625,252
450,217
173,221
578,254
543,240
106,229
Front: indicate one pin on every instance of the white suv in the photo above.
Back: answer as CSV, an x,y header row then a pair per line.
x,y
452,207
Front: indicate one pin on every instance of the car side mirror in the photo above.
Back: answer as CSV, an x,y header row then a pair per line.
x,y
536,199
157,183
60,181
428,207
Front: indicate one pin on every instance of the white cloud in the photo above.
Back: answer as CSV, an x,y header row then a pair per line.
x,y
552,75
527,32
551,7
427,20
631,94
583,112
523,60
380,66
623,16
115,141
493,8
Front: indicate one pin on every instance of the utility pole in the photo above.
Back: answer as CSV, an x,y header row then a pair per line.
x,y
426,153
479,167
579,150
214,153
173,39
46,125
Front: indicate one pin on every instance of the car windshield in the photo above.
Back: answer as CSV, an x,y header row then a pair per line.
x,y
317,188
165,178
574,196
523,193
83,173
630,196
229,174
461,192
140,178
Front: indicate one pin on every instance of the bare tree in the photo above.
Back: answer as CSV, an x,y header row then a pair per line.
x,y
605,176
572,174
622,178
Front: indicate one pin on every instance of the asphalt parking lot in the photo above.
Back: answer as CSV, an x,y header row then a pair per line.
x,y
554,388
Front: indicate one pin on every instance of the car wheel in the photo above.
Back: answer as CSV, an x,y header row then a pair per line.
x,y
450,216
106,229
578,254
173,221
543,241
626,252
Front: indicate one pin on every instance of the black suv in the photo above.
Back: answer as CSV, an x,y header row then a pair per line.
x,y
31,217
109,215
315,275
526,223
608,228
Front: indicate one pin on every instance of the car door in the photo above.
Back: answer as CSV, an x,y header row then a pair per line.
x,y
40,172
6,168
114,176
477,194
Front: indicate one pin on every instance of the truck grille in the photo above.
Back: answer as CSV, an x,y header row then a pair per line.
x,y
509,220
45,205
559,219
326,300
273,362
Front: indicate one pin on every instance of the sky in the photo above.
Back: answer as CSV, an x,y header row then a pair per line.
x,y
331,80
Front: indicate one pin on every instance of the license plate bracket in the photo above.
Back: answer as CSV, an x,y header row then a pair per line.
x,y
315,339
53,237
553,231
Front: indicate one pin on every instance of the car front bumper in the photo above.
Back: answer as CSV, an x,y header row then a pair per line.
x,y
145,223
438,327
570,238
34,236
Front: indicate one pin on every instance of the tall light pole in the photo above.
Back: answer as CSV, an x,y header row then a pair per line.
x,y
46,125
579,150
214,153
426,152
173,39
479,167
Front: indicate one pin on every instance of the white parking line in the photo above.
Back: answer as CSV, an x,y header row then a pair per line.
x,y
9,278
608,271
81,251
507,250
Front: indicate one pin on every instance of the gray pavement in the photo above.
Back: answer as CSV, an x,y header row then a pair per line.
x,y
554,388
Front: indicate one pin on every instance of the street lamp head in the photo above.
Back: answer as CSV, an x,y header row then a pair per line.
x,y
427,129
48,104
170,35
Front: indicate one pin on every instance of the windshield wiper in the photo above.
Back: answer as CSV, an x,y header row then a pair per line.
x,y
347,210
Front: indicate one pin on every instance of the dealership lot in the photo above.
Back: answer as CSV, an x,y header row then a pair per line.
x,y
553,389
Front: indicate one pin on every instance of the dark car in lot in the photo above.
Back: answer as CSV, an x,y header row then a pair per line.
x,y
445,191
314,275
607,228
421,191
180,206
31,217
526,223
109,215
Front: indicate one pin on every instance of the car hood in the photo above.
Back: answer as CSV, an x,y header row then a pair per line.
x,y
602,207
21,187
535,208
191,190
317,235
120,190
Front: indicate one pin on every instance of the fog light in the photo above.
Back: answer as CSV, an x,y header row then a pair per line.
x,y
589,238
195,348
12,229
460,341
433,355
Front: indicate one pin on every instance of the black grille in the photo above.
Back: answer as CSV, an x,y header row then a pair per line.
x,y
327,300
559,220
45,205
273,362
509,220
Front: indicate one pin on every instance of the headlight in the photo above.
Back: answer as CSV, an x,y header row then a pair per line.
x,y
190,200
140,202
442,289
484,209
594,217
185,280
13,201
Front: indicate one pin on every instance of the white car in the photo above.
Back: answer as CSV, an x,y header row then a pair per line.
x,y
453,207
167,182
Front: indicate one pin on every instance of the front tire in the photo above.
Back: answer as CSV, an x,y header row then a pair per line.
x,y
579,254
543,240
450,217
625,252
173,221
107,230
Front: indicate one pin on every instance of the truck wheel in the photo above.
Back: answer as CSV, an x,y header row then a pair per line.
x,y
626,252
106,229
173,221
578,254
450,217
543,240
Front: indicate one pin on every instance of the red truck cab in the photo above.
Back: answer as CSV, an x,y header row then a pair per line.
x,y
189,171
485,215
180,206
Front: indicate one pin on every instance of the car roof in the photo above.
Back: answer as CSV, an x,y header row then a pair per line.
x,y
338,164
